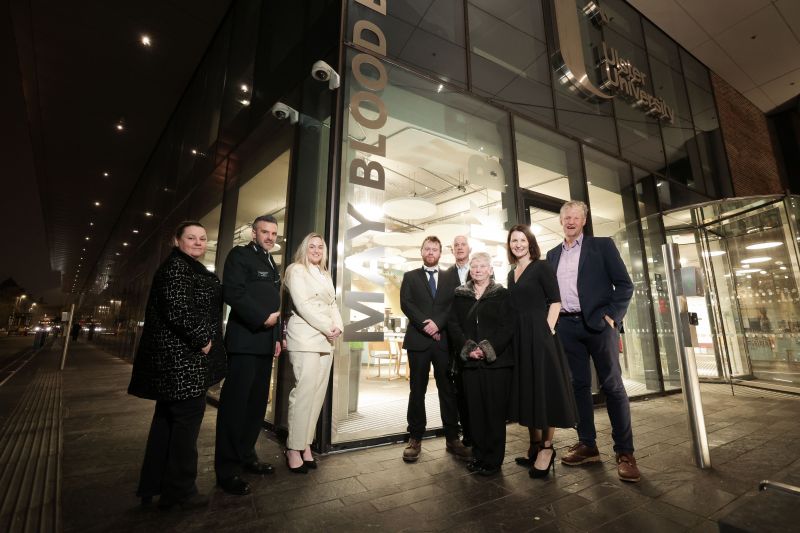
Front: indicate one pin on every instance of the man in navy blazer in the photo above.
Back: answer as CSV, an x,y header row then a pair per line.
x,y
595,292
426,295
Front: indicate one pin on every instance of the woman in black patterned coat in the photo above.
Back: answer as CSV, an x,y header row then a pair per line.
x,y
181,354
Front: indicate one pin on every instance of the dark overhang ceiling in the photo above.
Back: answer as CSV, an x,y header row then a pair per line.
x,y
83,70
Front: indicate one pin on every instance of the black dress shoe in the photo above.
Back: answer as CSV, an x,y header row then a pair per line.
x,y
234,485
488,470
474,466
146,501
257,467
195,501
311,465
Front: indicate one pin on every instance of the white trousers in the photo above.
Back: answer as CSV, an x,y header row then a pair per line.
x,y
312,372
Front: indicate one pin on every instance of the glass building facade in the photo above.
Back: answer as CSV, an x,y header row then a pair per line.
x,y
452,117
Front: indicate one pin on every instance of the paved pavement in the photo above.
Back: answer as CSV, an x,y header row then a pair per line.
x,y
753,436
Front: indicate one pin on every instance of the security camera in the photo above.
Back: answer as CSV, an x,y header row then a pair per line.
x,y
321,71
282,111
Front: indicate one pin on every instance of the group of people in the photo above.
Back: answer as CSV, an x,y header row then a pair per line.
x,y
518,353
521,353
182,353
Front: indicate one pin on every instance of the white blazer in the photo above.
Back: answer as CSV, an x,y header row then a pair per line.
x,y
315,310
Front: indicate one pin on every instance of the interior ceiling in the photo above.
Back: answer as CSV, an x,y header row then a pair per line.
x,y
83,70
752,44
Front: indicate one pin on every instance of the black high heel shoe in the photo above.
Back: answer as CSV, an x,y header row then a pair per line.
x,y
533,451
302,469
536,473
310,464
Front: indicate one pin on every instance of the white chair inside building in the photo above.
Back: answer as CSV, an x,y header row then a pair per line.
x,y
379,352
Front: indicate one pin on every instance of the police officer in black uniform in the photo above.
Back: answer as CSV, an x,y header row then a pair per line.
x,y
251,287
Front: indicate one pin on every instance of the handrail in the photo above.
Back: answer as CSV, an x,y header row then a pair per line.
x,y
777,485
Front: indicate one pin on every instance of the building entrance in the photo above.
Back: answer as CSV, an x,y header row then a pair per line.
x,y
738,271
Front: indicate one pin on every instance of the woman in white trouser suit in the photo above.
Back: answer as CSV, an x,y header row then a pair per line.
x,y
313,327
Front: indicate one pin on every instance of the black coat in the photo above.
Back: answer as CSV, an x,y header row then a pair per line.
x,y
252,288
184,312
418,305
488,323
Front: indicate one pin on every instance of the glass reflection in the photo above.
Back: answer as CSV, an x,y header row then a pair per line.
x,y
613,214
446,172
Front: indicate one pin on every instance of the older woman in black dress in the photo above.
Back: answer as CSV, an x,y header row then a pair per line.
x,y
480,326
180,355
543,387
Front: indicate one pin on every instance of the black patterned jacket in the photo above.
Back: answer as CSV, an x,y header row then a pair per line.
x,y
184,312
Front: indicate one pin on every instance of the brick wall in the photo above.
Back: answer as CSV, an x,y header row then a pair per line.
x,y
751,156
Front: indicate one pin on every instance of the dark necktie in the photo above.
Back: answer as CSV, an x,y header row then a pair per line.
x,y
432,282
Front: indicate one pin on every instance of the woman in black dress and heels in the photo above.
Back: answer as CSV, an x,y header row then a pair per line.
x,y
542,383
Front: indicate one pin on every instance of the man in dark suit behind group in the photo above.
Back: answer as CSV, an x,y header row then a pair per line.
x,y
425,298
460,269
251,287
595,292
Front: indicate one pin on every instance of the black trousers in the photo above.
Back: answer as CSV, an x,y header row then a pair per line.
x,y
240,417
170,458
461,398
487,392
420,366
582,344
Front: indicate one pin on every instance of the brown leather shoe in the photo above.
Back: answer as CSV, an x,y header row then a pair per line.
x,y
626,467
457,448
412,451
580,454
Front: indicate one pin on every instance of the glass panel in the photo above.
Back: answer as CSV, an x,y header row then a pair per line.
x,y
695,71
238,97
672,195
730,338
624,20
654,237
639,133
763,260
661,47
263,192
508,52
591,121
205,205
546,226
428,34
613,214
708,134
433,163
548,163
683,157
695,297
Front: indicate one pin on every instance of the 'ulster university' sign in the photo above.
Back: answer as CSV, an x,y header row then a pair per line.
x,y
619,76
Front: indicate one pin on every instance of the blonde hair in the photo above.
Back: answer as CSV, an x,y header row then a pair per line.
x,y
301,255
